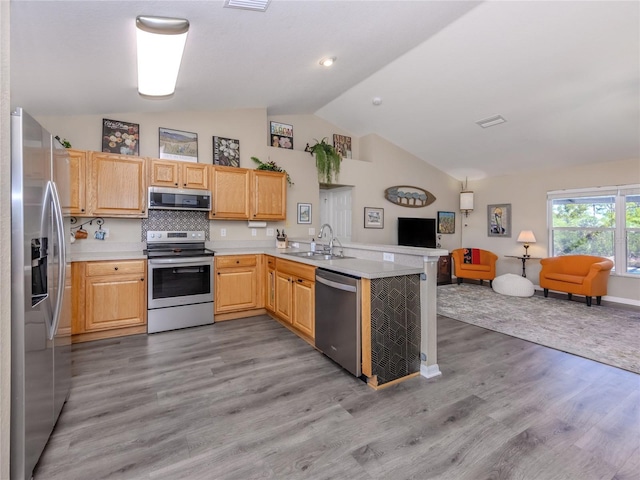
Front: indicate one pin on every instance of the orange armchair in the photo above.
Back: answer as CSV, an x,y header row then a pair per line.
x,y
485,270
576,274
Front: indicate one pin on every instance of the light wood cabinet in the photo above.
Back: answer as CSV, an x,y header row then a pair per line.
x,y
268,195
270,286
109,299
169,173
72,187
295,295
237,285
117,185
230,191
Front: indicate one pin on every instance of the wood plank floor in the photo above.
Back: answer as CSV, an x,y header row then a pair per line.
x,y
247,399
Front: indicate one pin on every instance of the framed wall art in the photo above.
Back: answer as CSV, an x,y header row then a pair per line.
x,y
304,213
178,145
226,151
281,135
120,137
499,220
342,144
373,217
446,222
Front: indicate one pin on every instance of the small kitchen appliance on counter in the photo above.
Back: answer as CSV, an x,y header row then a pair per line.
x,y
180,271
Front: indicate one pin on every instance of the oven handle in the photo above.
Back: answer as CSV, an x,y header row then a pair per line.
x,y
181,261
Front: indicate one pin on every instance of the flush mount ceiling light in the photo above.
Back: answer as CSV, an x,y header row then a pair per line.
x,y
491,121
327,61
161,43
256,5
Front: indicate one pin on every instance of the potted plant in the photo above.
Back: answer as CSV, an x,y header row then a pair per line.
x,y
271,166
327,161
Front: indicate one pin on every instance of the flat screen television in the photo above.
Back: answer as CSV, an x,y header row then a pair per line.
x,y
417,232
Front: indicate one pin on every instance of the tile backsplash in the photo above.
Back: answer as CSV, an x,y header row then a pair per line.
x,y
175,220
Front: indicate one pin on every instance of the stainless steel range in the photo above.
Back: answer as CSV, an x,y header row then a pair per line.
x,y
180,280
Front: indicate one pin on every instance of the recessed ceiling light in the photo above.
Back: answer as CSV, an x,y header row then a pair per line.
x,y
376,101
255,5
327,61
491,121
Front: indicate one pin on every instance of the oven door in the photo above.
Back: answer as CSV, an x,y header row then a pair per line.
x,y
180,281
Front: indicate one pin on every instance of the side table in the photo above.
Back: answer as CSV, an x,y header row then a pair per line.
x,y
524,261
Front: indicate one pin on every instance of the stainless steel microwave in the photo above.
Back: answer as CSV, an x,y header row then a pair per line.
x,y
161,198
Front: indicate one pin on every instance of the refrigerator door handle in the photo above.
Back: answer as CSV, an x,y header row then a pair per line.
x,y
62,259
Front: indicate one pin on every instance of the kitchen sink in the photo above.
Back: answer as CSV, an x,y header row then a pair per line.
x,y
316,255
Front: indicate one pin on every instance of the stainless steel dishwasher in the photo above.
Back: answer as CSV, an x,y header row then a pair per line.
x,y
338,318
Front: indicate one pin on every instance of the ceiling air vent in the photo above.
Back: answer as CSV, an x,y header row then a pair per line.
x,y
491,121
255,5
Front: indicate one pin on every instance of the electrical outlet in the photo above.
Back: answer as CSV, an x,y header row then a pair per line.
x,y
254,232
312,231
388,257
269,232
223,232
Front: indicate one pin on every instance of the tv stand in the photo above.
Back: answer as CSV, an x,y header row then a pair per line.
x,y
444,270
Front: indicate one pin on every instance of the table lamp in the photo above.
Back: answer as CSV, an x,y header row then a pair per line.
x,y
526,237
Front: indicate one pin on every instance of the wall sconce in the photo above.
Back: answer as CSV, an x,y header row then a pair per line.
x,y
161,43
526,237
466,200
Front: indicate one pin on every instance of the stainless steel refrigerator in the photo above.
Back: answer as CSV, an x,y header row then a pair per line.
x,y
40,292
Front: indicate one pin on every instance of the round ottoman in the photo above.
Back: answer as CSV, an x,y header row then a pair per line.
x,y
513,285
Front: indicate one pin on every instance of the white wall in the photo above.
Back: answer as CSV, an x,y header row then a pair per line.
x,y
5,243
527,195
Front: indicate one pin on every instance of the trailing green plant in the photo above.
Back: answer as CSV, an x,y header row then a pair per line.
x,y
272,167
327,161
64,142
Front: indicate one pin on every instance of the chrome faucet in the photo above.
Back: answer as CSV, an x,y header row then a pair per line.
x,y
330,236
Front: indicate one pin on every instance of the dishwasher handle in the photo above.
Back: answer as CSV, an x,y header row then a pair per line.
x,y
339,286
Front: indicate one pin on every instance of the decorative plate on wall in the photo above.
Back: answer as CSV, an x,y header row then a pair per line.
x,y
412,197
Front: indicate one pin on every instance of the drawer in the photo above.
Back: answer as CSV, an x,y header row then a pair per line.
x,y
94,269
271,262
236,261
296,269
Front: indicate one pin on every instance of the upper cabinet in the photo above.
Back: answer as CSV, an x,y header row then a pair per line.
x,y
117,185
230,190
169,173
72,188
243,194
268,195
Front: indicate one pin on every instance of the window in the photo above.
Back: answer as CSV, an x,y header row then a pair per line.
x,y
603,222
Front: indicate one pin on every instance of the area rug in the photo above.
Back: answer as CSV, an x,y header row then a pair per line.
x,y
601,333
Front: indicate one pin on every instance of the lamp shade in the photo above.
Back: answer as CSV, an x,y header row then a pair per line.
x,y
161,42
526,236
466,201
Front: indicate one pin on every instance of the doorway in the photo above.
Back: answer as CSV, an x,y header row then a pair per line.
x,y
335,209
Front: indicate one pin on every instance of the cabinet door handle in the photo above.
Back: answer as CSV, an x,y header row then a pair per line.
x,y
237,261
115,268
218,273
300,280
142,279
82,209
176,184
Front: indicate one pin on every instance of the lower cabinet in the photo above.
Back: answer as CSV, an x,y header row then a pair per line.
x,y
109,299
295,295
236,284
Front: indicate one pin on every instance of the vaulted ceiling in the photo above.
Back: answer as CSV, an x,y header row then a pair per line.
x,y
565,75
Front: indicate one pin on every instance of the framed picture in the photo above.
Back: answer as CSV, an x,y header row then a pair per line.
x,y
304,213
226,151
342,144
446,222
373,217
499,220
281,135
120,137
178,145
